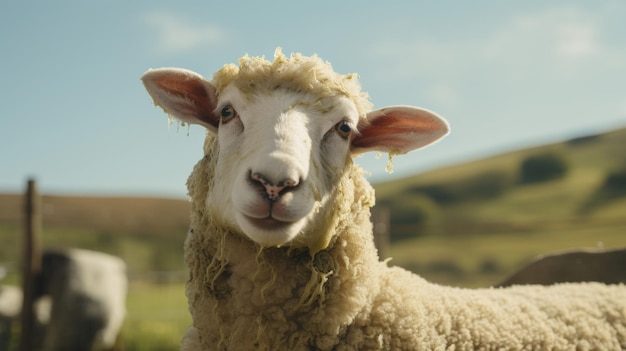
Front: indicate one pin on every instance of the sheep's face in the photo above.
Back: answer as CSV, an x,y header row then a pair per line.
x,y
280,155
285,135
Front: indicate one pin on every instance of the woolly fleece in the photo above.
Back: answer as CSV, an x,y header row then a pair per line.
x,y
341,297
246,298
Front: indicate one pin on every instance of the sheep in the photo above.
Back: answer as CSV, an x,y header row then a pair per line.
x,y
280,250
85,292
79,301
10,308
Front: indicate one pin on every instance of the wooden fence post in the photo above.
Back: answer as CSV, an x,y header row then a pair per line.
x,y
31,264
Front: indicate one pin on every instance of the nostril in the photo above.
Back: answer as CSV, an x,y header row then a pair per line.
x,y
273,191
288,183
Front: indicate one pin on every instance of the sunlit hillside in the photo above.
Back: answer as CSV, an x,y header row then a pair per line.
x,y
473,223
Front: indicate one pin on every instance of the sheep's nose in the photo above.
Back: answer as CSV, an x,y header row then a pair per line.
x,y
274,191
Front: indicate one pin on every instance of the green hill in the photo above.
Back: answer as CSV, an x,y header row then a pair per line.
x,y
575,182
473,223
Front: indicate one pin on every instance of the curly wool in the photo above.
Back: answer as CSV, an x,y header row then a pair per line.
x,y
274,296
343,298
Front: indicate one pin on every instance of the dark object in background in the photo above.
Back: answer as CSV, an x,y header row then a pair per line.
x,y
605,266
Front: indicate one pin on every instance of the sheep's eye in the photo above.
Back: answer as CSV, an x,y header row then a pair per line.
x,y
227,114
343,129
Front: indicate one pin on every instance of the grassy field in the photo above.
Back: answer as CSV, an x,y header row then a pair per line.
x,y
467,225
157,317
147,233
482,261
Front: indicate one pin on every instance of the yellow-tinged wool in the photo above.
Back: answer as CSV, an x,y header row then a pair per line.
x,y
299,73
213,250
336,295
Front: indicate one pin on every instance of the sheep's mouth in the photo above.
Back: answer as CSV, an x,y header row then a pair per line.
x,y
268,223
269,230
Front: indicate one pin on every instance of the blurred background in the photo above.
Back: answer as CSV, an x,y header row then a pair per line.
x,y
535,93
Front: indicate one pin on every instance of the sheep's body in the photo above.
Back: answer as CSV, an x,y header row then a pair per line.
x,y
321,286
259,299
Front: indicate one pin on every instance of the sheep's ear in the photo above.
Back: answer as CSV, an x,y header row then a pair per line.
x,y
184,95
398,130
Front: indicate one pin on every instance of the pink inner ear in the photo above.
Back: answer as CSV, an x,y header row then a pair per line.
x,y
198,101
399,130
183,94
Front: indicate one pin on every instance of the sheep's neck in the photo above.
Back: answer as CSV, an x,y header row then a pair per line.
x,y
283,289
236,289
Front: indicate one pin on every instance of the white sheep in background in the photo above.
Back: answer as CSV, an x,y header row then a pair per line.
x,y
87,292
280,249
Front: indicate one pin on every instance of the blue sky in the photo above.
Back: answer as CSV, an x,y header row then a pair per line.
x,y
506,74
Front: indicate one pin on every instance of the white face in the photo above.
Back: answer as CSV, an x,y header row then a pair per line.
x,y
280,155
